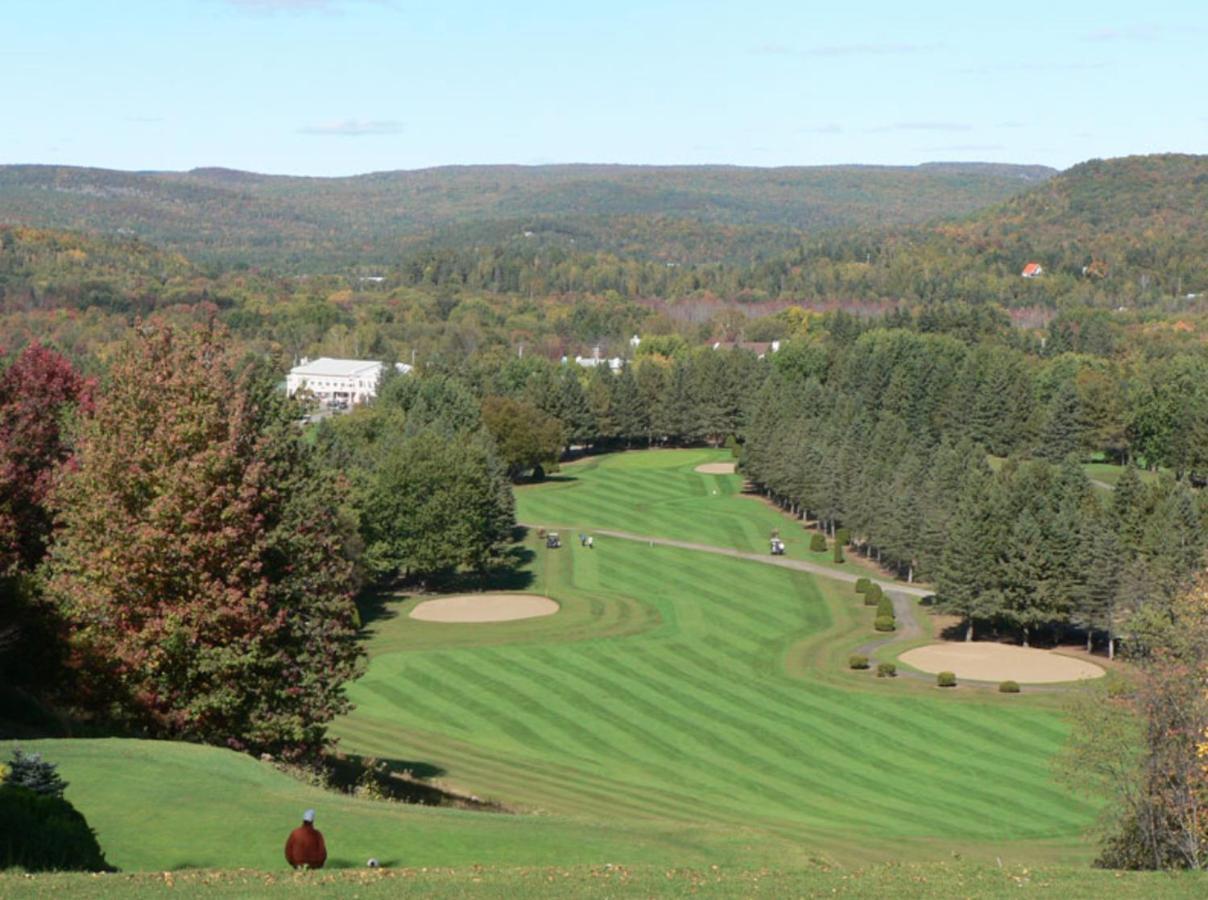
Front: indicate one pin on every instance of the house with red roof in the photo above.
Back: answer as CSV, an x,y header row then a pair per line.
x,y
1032,270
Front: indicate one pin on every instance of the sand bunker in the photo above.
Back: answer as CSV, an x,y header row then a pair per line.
x,y
484,608
987,661
716,468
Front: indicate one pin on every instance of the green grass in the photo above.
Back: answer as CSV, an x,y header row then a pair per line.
x,y
1110,474
163,806
683,709
686,688
1105,473
657,493
952,879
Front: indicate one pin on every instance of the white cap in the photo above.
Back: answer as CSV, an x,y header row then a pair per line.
x,y
308,816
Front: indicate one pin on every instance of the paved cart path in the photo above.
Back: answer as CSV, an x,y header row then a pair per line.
x,y
767,560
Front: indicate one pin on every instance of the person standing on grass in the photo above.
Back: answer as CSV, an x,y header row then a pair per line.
x,y
305,848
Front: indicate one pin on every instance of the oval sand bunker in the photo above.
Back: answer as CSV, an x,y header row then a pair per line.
x,y
484,608
715,468
1000,662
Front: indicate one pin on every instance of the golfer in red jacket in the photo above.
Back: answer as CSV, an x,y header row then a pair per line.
x,y
305,847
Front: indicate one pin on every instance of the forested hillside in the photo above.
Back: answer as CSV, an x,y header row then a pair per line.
x,y
320,224
1130,231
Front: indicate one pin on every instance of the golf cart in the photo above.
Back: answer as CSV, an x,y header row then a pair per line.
x,y
552,542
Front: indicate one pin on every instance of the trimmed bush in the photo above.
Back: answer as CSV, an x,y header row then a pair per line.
x,y
45,833
863,585
946,679
838,552
884,607
884,623
733,446
887,670
857,661
842,537
1008,687
874,595
818,543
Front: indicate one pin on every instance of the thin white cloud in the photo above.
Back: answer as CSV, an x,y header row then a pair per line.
x,y
828,128
1144,33
993,68
833,50
924,126
353,128
869,49
271,7
962,148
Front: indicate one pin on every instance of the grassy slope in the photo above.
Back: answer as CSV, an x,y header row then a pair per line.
x,y
658,493
161,806
696,720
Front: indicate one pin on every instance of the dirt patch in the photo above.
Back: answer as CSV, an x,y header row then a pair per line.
x,y
986,661
484,608
715,468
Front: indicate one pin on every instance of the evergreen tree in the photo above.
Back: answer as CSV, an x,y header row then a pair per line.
x,y
967,575
630,414
1097,611
30,771
1064,429
572,409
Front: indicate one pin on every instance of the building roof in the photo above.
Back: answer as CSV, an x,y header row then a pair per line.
x,y
1032,269
336,368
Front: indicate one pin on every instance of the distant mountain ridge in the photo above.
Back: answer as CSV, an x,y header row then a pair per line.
x,y
313,224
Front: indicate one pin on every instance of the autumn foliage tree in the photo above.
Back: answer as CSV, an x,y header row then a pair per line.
x,y
200,566
37,390
1144,748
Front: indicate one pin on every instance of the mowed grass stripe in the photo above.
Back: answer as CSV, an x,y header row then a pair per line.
x,y
690,714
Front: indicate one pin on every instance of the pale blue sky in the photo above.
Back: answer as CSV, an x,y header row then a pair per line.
x,y
332,87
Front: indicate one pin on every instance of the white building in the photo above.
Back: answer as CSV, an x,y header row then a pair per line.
x,y
338,380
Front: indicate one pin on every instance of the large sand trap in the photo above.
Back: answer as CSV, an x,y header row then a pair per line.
x,y
484,608
987,661
716,468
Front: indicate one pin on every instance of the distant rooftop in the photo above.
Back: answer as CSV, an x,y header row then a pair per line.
x,y
338,368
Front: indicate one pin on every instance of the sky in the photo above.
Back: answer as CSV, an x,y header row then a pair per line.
x,y
340,87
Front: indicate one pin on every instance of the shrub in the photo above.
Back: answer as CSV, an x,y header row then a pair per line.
x,y
842,537
946,679
30,771
857,661
884,623
838,554
884,606
45,833
887,670
863,585
818,543
1008,687
874,595
733,446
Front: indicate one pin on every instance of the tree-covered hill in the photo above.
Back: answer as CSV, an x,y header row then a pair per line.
x,y
42,268
316,224
1130,231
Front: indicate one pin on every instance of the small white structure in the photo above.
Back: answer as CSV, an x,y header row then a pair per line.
x,y
615,364
339,380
